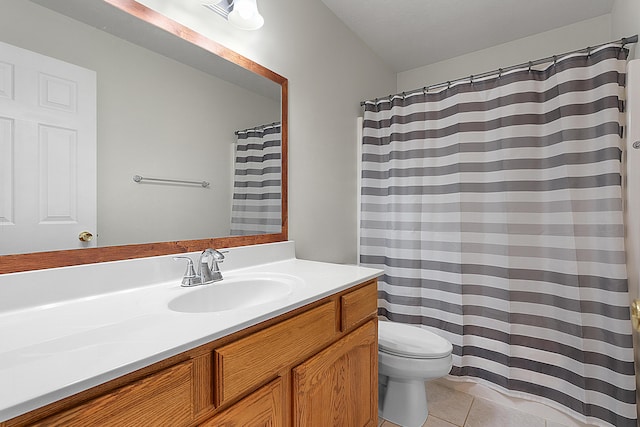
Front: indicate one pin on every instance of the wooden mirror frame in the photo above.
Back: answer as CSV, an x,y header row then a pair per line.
x,y
52,259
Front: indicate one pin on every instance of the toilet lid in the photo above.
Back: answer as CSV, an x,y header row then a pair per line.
x,y
412,341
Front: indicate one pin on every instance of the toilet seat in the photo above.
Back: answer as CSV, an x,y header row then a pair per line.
x,y
411,341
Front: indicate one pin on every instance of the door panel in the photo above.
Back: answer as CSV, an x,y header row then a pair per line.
x,y
47,152
338,387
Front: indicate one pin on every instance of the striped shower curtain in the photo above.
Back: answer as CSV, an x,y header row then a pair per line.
x,y
256,206
495,210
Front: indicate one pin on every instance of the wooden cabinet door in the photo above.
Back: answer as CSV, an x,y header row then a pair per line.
x,y
263,408
339,386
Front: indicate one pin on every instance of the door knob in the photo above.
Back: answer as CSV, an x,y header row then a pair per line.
x,y
635,314
85,236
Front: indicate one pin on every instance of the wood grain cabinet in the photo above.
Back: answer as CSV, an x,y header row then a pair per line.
x,y
262,408
163,398
314,366
338,386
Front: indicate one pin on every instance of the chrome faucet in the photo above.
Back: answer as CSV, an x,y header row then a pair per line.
x,y
208,269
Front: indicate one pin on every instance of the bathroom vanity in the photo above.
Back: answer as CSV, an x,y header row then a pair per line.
x,y
305,358
107,336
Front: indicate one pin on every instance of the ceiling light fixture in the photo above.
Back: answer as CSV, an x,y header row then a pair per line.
x,y
241,13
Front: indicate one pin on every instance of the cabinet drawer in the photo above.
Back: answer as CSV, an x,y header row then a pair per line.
x,y
163,398
359,304
261,408
252,360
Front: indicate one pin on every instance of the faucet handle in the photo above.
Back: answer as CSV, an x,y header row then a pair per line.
x,y
218,255
190,278
214,254
208,265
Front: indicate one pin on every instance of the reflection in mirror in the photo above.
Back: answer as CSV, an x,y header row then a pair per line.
x,y
256,196
162,107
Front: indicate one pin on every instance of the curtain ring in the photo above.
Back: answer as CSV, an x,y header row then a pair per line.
x,y
555,60
471,78
588,51
424,90
530,65
499,73
449,85
404,96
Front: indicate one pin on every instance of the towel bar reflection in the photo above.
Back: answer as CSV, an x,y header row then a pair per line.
x,y
138,178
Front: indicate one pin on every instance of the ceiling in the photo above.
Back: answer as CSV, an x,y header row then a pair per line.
x,y
409,34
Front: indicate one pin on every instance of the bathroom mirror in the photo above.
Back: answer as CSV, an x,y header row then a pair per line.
x,y
135,136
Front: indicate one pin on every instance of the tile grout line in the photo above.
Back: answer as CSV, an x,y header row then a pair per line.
x,y
473,399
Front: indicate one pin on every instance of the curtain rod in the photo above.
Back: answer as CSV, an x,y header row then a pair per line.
x,y
258,128
624,41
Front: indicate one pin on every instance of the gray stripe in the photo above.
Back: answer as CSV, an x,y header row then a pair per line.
x,y
564,279
604,180
554,206
256,221
611,101
264,171
581,134
578,354
538,298
619,366
611,153
586,383
591,255
250,232
588,409
265,196
258,146
259,208
500,123
258,133
258,159
596,230
257,184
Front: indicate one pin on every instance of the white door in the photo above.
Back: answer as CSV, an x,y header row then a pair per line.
x,y
47,153
632,200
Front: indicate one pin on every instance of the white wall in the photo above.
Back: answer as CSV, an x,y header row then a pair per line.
x,y
330,71
625,21
577,36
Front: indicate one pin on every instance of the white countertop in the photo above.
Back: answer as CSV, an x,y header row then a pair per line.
x,y
65,330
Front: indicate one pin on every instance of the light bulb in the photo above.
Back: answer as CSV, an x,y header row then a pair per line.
x,y
245,15
245,9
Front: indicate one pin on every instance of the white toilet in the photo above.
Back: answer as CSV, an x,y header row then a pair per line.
x,y
408,356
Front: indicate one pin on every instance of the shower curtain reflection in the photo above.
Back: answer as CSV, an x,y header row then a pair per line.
x,y
495,209
257,197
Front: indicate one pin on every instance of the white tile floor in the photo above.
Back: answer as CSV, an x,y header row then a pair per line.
x,y
452,408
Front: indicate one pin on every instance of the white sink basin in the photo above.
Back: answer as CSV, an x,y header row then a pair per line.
x,y
234,293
